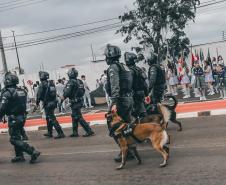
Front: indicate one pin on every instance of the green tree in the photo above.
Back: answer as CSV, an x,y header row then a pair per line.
x,y
159,24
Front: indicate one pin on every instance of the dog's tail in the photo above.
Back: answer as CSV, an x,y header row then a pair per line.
x,y
172,107
165,114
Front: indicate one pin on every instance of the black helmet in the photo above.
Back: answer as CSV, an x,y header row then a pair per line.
x,y
72,73
10,79
112,53
151,58
43,75
130,58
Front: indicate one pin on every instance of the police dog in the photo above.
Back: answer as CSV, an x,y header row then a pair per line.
x,y
151,130
157,117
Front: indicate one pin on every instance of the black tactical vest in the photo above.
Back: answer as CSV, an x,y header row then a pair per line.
x,y
125,80
161,79
17,102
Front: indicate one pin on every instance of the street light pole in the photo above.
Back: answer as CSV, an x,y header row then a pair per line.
x,y
18,59
3,54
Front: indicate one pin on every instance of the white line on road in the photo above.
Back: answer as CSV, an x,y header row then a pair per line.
x,y
146,149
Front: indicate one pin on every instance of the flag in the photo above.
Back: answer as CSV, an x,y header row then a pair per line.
x,y
202,58
208,56
193,59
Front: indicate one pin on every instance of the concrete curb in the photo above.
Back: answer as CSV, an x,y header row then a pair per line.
x,y
103,122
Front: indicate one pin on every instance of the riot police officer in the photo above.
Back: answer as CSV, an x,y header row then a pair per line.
x,y
119,87
75,91
13,104
47,94
157,81
140,86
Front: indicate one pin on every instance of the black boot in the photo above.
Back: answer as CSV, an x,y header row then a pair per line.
x,y
25,138
74,128
31,151
49,134
59,131
18,159
87,128
74,135
91,133
19,155
34,156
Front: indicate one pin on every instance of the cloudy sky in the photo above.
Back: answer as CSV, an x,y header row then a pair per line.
x,y
51,14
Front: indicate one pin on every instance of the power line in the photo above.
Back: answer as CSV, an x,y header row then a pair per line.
x,y
62,28
11,4
61,35
19,6
68,36
210,4
84,34
75,34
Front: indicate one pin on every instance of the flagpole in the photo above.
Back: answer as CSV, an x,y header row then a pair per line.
x,y
191,57
217,53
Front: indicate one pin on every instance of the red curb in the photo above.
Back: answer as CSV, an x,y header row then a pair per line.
x,y
182,108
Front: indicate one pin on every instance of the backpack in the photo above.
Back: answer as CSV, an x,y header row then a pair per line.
x,y
126,79
81,89
51,92
18,102
161,75
140,80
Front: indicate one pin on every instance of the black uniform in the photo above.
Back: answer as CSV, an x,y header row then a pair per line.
x,y
157,82
50,104
140,91
119,88
13,104
74,90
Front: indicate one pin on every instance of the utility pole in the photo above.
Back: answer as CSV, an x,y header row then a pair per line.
x,y
223,35
3,54
43,66
18,60
92,53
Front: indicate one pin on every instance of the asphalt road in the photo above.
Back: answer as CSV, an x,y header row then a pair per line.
x,y
198,157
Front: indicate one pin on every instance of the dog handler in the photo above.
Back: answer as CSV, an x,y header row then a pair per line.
x,y
119,87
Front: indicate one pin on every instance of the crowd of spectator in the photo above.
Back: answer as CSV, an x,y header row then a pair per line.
x,y
201,76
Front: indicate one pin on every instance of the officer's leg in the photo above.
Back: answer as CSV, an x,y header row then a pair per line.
x,y
56,125
141,110
84,124
49,124
20,146
156,98
75,120
23,133
15,135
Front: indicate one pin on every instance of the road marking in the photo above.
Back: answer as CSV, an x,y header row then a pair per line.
x,y
145,149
